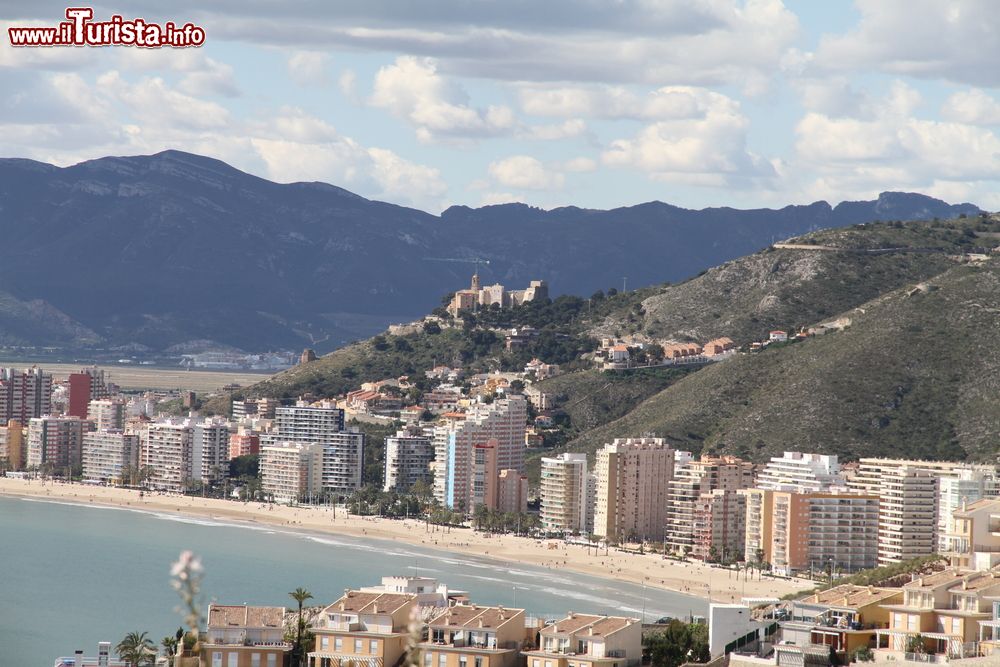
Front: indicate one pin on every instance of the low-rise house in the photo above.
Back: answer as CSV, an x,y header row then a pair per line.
x,y
975,542
475,636
916,615
843,618
718,346
244,636
363,629
777,336
585,640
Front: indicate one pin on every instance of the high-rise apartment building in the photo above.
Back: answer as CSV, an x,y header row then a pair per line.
x,y
719,525
291,471
308,423
84,387
55,442
564,499
408,458
167,449
210,450
512,492
12,445
632,479
343,461
910,512
24,394
834,530
795,471
504,421
109,455
692,479
106,413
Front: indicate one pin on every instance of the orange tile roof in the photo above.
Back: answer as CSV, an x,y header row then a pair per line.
x,y
474,616
370,603
243,616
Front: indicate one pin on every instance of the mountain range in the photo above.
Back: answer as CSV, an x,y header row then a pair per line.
x,y
175,251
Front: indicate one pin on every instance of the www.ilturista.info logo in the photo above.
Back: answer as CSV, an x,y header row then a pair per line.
x,y
81,30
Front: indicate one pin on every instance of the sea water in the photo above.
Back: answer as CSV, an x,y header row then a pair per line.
x,y
71,576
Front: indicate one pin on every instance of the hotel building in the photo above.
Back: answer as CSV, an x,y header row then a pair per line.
x,y
291,471
108,454
502,421
632,478
55,441
564,498
689,482
408,457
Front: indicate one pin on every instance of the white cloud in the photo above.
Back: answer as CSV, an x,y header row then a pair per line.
x,y
954,41
309,68
703,143
580,164
412,89
348,83
974,107
573,127
523,172
894,150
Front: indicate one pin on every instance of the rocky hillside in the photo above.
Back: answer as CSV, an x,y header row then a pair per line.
x,y
914,374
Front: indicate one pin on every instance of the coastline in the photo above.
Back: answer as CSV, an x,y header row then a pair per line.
x,y
706,582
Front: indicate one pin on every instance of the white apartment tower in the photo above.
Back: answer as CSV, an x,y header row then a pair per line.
x,y
795,471
109,455
632,478
106,413
291,471
564,494
408,457
168,451
210,450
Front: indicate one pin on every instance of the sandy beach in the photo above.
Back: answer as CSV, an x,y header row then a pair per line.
x,y
718,584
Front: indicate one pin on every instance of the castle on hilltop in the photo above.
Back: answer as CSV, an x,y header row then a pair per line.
x,y
476,295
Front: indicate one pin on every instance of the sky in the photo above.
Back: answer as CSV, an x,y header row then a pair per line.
x,y
754,103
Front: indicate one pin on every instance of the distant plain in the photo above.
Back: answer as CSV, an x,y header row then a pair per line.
x,y
134,377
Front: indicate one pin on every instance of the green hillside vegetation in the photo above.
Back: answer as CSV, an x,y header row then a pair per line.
x,y
786,288
563,336
914,375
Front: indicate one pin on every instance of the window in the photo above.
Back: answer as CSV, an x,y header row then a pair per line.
x,y
272,660
358,643
479,661
324,643
442,660
217,659
338,644
255,660
463,661
232,659
373,647
428,659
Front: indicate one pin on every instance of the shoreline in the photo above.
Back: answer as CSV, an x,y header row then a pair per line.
x,y
651,570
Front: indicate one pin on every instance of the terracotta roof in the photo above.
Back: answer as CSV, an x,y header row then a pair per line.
x,y
241,616
358,602
474,616
588,624
936,579
850,595
976,582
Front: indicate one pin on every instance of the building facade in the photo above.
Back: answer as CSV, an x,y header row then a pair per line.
x,y
632,480
564,499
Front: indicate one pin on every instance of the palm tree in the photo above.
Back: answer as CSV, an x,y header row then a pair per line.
x,y
300,595
136,649
169,645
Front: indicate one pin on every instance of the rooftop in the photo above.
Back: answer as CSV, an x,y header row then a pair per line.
x,y
474,616
243,616
588,624
359,602
851,595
